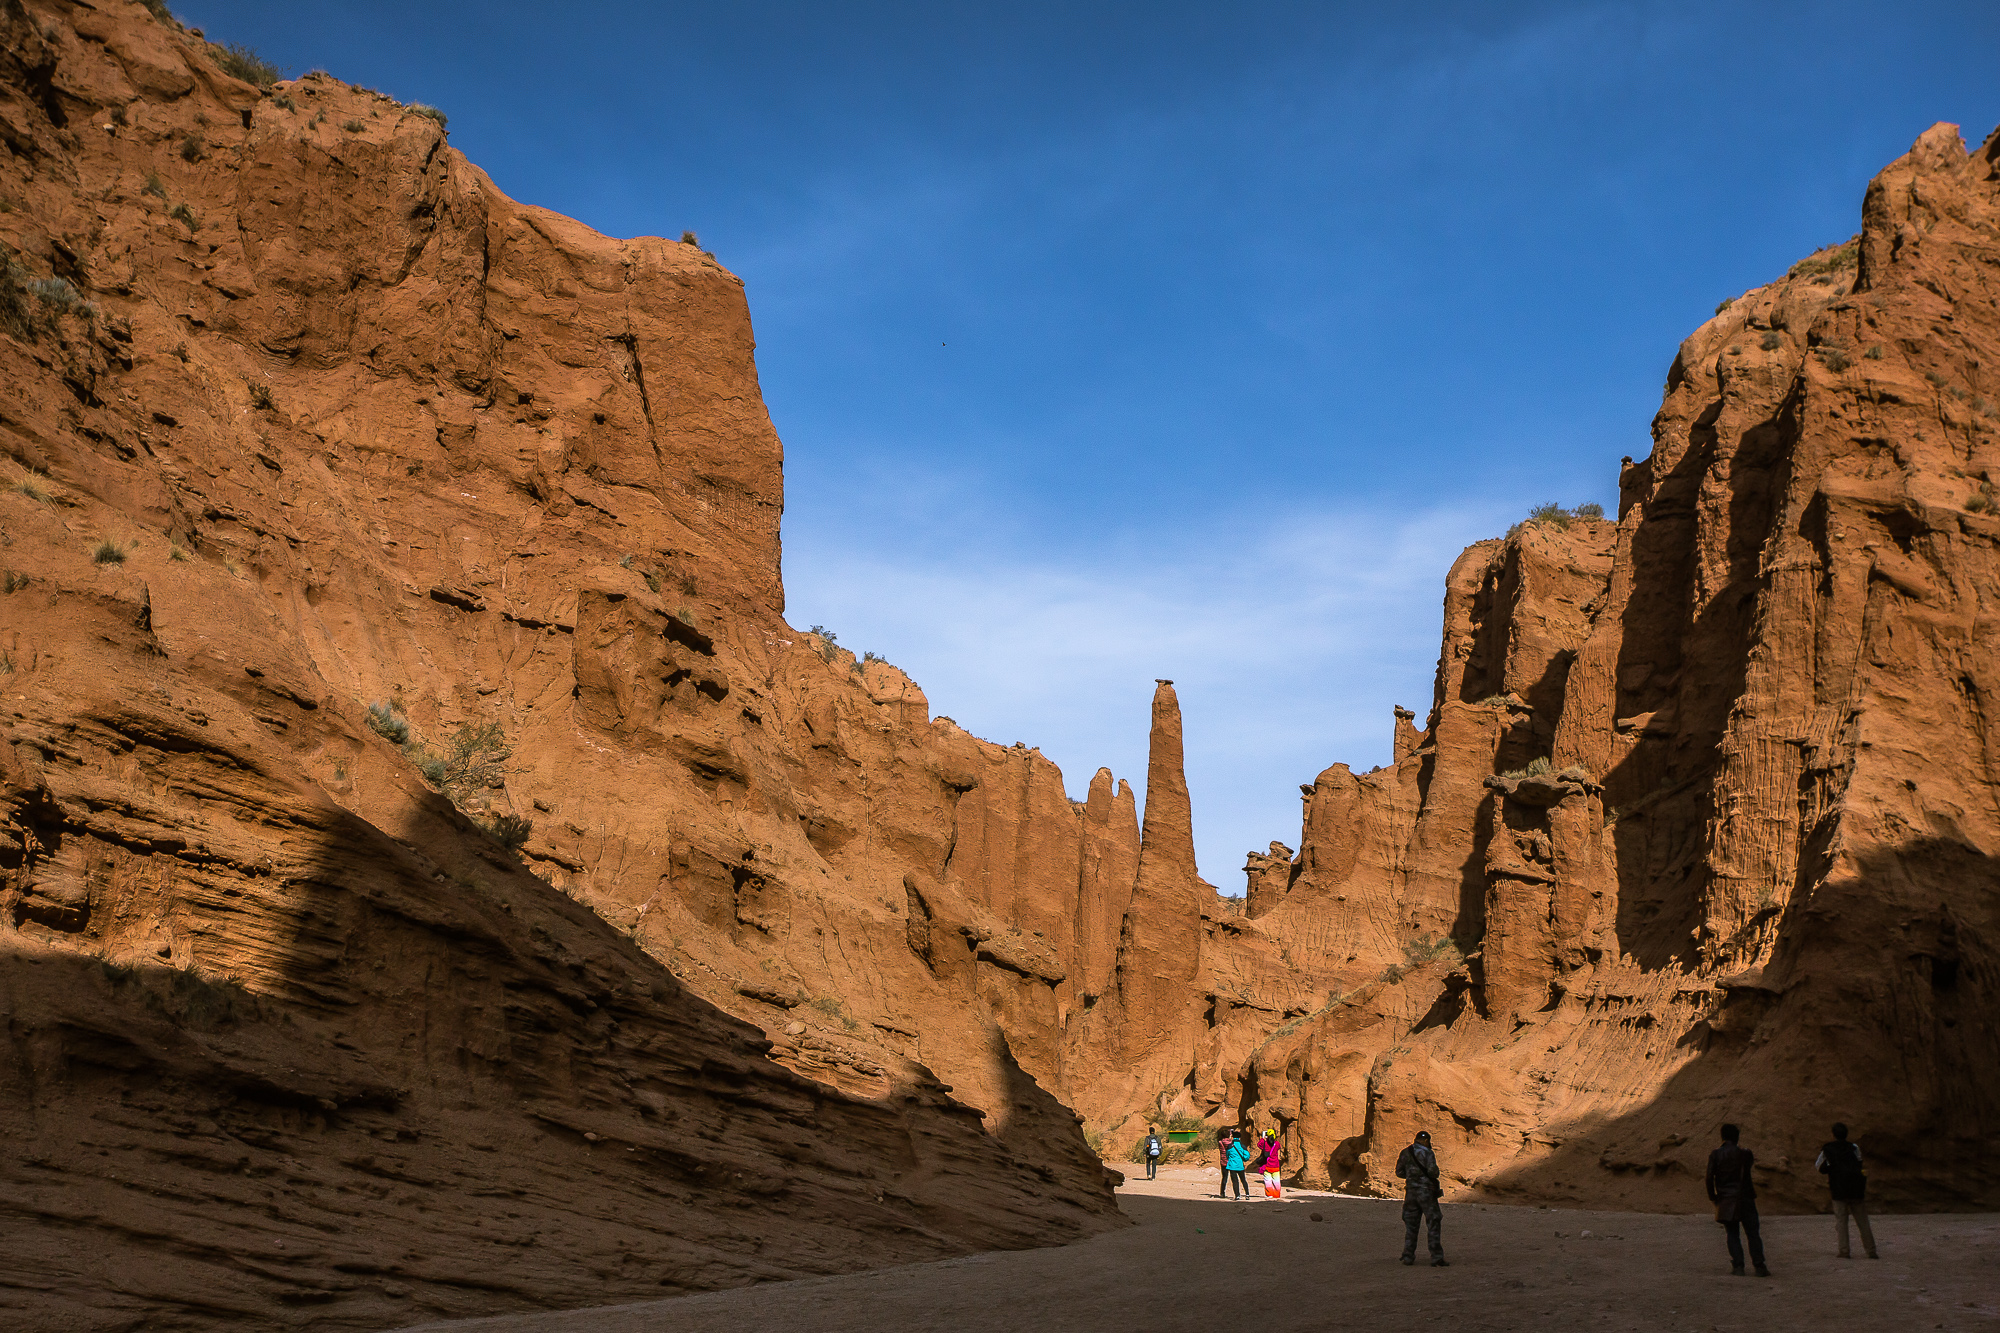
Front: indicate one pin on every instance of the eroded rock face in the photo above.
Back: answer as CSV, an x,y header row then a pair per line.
x,y
1752,876
359,523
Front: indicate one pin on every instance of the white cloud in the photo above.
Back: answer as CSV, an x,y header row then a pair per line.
x,y
1289,637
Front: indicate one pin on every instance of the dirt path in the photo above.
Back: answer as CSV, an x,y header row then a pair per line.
x,y
1200,1264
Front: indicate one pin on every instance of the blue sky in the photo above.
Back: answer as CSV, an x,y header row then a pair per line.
x,y
1112,342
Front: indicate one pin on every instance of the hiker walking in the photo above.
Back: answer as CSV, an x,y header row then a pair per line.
x,y
1271,1160
1840,1162
1236,1161
1734,1195
1152,1151
1417,1167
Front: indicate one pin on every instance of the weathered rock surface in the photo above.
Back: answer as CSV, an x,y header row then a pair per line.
x,y
1753,877
416,813
302,415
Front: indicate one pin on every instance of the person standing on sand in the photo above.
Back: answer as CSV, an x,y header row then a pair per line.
x,y
1840,1162
1271,1160
1734,1195
1236,1161
1222,1142
1152,1151
1417,1166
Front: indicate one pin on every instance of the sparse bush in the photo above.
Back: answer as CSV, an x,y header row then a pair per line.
x,y
1828,259
239,61
1770,342
176,554
184,215
260,397
27,487
193,148
388,723
1536,768
58,297
1494,701
352,126
427,112
874,657
653,581
284,101
511,831
154,186
159,10
1835,358
1421,949
1575,773
10,582
471,761
1554,515
1874,353
835,1010
107,552
689,238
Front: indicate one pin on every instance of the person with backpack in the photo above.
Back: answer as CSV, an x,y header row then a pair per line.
x,y
1236,1159
1152,1151
1840,1162
1271,1160
1417,1166
1734,1195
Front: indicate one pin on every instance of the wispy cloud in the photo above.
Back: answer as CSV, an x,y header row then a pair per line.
x,y
1289,636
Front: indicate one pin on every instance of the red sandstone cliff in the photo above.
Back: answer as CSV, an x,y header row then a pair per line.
x,y
358,430
1756,880
359,525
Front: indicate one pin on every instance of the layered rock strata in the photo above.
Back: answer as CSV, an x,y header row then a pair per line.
x,y
1704,814
405,765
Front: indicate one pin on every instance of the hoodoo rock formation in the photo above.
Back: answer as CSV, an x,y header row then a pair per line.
x,y
435,879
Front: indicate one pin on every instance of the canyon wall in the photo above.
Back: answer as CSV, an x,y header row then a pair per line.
x,y
1705,809
408,783
434,878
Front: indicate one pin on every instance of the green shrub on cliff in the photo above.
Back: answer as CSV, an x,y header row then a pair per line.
x,y
1553,515
239,61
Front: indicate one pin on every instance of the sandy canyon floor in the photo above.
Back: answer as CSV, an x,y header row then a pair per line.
x,y
1194,1262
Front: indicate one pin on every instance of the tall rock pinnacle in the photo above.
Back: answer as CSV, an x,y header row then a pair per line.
x,y
1162,956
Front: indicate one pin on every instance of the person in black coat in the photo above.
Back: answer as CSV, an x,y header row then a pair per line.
x,y
1840,1162
1418,1169
1734,1195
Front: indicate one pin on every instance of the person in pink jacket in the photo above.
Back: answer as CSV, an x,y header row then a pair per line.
x,y
1272,1160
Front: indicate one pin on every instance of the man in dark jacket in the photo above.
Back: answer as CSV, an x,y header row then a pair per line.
x,y
1840,1163
1734,1195
1152,1151
1417,1166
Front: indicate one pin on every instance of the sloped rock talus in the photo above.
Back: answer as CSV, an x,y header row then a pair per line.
x,y
1705,807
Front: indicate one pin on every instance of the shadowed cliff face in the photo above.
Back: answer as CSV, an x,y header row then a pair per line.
x,y
303,415
640,940
1754,881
